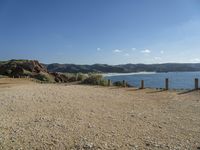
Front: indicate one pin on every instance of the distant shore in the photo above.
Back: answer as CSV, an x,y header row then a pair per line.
x,y
124,74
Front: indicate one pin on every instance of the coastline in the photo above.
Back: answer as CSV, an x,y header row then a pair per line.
x,y
125,74
176,80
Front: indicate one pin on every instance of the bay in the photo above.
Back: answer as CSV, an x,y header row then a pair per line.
x,y
177,80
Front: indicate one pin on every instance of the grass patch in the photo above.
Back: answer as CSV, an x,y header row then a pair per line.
x,y
45,77
2,76
72,77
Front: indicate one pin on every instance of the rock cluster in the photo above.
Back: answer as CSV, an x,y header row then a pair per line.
x,y
20,68
29,68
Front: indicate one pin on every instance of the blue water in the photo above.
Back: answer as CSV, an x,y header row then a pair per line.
x,y
177,80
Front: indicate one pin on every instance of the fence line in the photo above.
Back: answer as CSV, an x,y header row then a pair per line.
x,y
142,84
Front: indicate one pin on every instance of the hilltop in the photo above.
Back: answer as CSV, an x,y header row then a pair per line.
x,y
126,68
32,68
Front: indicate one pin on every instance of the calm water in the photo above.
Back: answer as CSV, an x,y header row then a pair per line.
x,y
177,80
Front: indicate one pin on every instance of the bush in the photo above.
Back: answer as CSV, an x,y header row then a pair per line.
x,y
3,76
8,72
44,77
121,84
95,80
103,82
72,79
81,77
41,77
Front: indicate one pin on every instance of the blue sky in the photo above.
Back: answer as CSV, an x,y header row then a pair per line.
x,y
100,31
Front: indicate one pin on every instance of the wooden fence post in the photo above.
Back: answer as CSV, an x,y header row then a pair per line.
x,y
166,84
124,83
142,84
196,84
109,82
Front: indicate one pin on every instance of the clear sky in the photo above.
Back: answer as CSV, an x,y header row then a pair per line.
x,y
100,31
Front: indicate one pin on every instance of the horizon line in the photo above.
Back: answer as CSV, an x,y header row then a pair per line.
x,y
104,63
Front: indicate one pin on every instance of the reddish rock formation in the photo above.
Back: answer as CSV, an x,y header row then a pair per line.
x,y
29,68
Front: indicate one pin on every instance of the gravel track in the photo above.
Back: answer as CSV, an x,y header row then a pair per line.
x,y
52,116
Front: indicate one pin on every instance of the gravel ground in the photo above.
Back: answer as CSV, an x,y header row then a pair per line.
x,y
52,116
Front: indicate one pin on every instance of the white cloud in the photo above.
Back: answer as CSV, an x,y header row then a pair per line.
x,y
162,52
133,49
117,51
195,60
127,54
98,49
146,51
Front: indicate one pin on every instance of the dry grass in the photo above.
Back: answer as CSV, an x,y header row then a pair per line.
x,y
10,82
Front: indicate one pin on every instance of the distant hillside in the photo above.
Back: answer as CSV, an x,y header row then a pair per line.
x,y
53,72
72,68
127,68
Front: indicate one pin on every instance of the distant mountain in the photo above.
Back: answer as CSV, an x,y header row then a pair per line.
x,y
72,68
126,68
53,72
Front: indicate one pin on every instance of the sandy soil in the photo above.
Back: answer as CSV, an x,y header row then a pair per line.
x,y
52,116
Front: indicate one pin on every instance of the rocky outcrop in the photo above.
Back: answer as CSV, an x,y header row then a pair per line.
x,y
29,68
20,68
59,77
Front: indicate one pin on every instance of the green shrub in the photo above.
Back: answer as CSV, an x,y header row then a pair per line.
x,y
81,77
27,73
9,72
121,84
70,76
103,82
95,80
44,77
72,79
2,76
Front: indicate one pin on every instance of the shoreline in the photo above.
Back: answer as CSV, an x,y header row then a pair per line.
x,y
125,74
176,80
23,81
